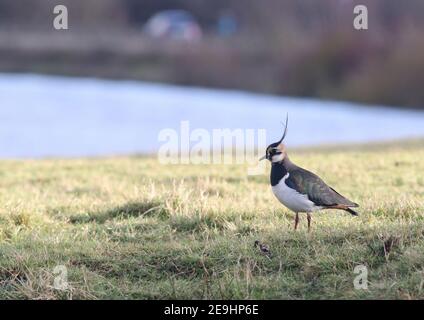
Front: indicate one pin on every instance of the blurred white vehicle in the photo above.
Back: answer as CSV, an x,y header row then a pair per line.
x,y
173,24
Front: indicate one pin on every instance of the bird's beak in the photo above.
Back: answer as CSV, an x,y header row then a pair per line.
x,y
263,158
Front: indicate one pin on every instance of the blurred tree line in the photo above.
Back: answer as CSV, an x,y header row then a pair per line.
x,y
291,47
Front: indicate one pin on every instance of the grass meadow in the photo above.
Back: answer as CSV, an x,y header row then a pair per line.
x,y
131,228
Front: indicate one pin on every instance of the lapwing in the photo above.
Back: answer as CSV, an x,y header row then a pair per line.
x,y
263,248
301,190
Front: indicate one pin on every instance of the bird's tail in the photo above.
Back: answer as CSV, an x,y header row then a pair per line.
x,y
346,207
351,211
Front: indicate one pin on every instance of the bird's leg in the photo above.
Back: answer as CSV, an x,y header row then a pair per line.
x,y
309,221
296,221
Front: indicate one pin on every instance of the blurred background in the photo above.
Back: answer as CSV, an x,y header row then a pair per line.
x,y
126,69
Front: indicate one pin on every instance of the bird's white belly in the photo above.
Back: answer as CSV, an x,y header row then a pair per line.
x,y
292,199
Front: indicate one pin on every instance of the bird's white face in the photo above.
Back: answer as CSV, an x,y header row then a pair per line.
x,y
276,152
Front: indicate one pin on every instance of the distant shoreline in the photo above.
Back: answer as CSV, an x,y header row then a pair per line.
x,y
211,63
